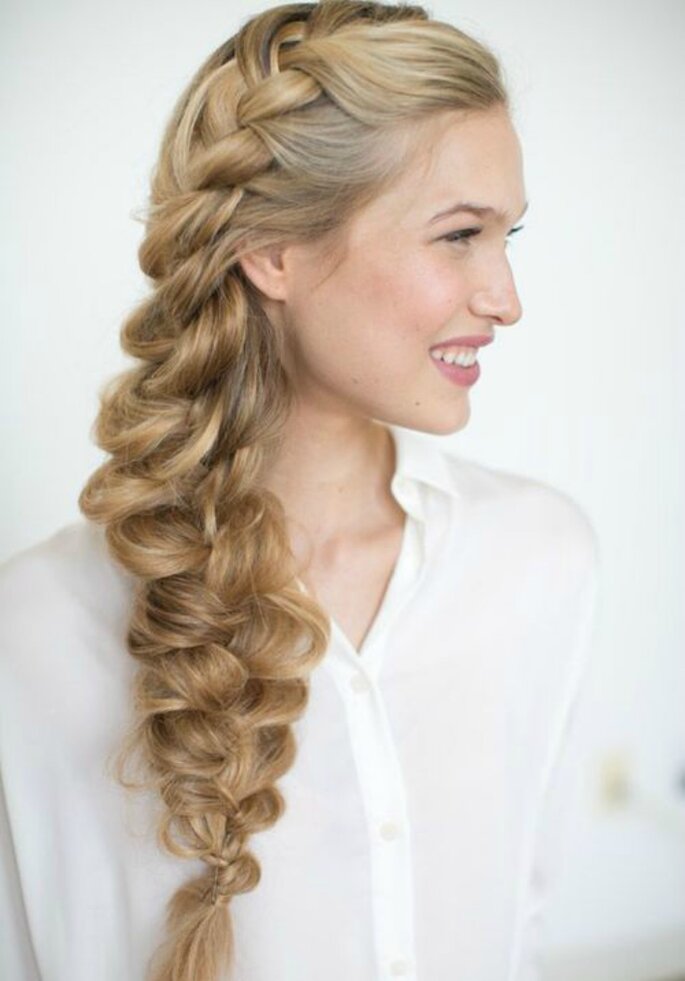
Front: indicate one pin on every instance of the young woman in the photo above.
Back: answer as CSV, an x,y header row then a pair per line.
x,y
341,662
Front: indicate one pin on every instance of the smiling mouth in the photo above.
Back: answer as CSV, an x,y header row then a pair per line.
x,y
456,373
463,356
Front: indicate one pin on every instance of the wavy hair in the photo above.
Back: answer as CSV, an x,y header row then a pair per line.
x,y
289,128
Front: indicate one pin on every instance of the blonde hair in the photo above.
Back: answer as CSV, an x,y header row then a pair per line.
x,y
282,135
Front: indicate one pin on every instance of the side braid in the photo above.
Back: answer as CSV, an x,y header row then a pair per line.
x,y
178,515
282,135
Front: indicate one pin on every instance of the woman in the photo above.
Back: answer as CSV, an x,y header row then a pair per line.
x,y
344,661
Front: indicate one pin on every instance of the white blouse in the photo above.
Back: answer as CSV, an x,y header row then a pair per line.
x,y
424,818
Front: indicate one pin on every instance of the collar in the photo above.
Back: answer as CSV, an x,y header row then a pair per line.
x,y
421,466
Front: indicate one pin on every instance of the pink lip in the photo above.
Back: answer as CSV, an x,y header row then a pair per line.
x,y
479,341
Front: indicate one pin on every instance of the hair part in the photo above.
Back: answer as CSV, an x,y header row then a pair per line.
x,y
285,132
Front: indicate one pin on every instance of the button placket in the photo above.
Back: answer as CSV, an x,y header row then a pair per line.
x,y
360,683
389,830
383,790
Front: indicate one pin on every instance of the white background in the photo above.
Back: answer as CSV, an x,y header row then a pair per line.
x,y
584,392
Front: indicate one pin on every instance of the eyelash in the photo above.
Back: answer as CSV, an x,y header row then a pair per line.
x,y
466,233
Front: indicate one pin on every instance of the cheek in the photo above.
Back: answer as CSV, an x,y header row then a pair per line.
x,y
379,316
416,298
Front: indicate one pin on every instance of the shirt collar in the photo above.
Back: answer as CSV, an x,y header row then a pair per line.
x,y
421,467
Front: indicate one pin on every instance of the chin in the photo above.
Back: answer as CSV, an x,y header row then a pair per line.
x,y
439,426
448,430
453,419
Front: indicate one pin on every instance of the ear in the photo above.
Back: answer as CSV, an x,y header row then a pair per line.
x,y
266,269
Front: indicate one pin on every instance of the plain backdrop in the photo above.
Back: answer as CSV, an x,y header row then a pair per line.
x,y
585,392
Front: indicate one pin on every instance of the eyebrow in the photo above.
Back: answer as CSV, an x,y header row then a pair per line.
x,y
482,210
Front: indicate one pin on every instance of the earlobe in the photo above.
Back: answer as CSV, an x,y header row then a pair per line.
x,y
265,269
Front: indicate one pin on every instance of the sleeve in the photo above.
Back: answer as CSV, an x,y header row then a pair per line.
x,y
17,957
18,960
560,786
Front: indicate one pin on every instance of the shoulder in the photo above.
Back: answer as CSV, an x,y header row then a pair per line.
x,y
529,554
70,574
525,515
64,606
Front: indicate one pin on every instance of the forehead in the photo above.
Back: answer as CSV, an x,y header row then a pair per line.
x,y
469,156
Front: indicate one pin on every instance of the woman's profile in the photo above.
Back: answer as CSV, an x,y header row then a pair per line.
x,y
293,699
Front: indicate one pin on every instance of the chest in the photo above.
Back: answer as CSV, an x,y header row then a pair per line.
x,y
350,581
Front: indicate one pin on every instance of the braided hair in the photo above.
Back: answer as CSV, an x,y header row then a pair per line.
x,y
303,116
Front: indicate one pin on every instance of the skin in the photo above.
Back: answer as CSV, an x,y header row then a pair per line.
x,y
358,336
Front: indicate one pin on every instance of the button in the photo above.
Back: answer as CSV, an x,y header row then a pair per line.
x,y
399,967
389,830
360,683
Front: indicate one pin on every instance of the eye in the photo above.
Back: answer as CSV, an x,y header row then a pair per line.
x,y
517,229
462,234
466,233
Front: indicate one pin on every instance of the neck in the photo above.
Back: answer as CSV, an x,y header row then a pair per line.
x,y
333,477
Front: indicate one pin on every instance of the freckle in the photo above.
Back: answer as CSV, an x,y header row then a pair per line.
x,y
417,403
355,380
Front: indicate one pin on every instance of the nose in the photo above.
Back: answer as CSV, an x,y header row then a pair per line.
x,y
497,299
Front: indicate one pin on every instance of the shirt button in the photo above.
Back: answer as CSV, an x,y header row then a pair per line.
x,y
359,683
399,967
389,830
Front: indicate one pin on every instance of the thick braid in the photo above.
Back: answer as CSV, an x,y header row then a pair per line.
x,y
216,720
281,134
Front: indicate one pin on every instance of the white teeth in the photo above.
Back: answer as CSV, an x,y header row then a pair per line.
x,y
464,357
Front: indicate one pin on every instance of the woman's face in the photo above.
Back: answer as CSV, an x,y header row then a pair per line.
x,y
359,336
